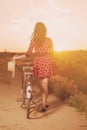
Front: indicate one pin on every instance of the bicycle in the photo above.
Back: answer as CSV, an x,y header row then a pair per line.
x,y
27,90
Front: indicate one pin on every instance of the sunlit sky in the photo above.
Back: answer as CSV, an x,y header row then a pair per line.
x,y
66,22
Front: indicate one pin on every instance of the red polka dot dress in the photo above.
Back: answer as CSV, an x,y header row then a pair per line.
x,y
42,62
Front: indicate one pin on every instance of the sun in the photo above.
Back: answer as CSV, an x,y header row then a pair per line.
x,y
58,47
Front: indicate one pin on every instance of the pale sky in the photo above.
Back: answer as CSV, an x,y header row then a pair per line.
x,y
66,22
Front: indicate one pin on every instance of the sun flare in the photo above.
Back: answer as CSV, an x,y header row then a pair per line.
x,y
58,48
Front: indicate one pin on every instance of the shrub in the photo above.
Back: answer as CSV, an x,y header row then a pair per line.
x,y
68,91
62,87
79,101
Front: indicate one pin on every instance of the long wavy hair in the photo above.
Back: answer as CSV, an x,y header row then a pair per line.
x,y
39,33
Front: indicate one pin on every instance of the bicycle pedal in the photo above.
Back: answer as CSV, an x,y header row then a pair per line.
x,y
23,104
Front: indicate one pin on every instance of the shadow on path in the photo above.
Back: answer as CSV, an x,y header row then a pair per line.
x,y
54,105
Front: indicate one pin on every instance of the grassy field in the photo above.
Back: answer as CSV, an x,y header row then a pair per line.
x,y
68,64
73,65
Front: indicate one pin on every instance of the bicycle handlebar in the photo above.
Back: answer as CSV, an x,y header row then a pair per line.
x,y
27,64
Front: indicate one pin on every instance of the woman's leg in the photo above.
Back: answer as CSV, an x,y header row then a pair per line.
x,y
44,90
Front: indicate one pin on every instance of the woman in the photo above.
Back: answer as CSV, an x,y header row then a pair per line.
x,y
43,49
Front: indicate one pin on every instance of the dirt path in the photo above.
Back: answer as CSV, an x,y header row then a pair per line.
x,y
59,116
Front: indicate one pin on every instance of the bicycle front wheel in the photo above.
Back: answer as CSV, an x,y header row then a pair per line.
x,y
28,107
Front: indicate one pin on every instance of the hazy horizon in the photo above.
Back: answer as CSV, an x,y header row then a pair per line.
x,y
5,50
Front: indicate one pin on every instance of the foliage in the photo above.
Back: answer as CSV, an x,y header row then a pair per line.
x,y
68,91
62,87
79,101
73,65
